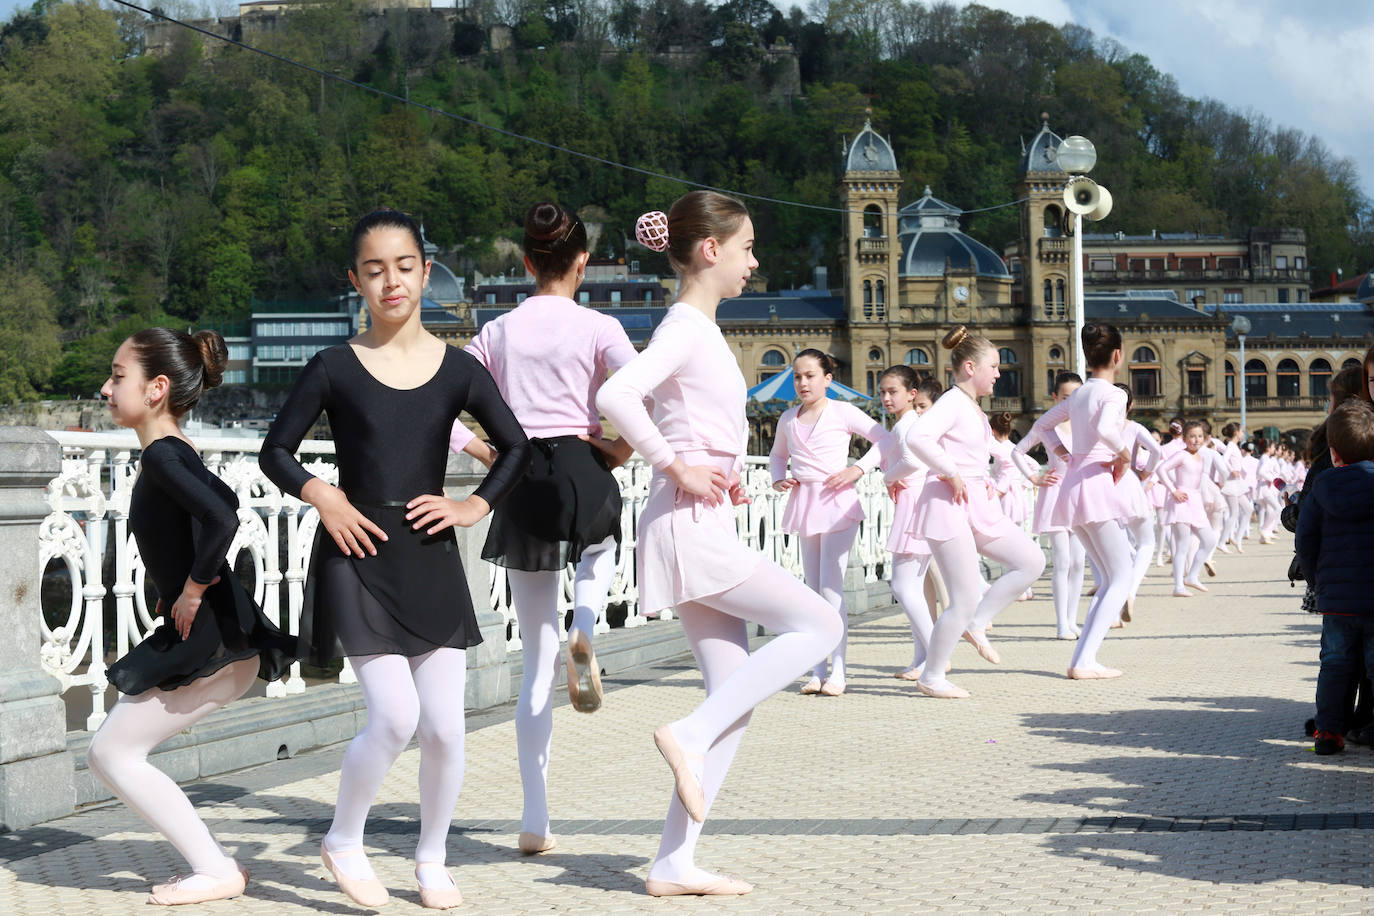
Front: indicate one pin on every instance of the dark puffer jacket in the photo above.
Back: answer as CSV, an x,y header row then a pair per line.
x,y
1336,539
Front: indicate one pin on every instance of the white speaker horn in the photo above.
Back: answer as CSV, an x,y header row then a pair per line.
x,y
1081,195
1104,205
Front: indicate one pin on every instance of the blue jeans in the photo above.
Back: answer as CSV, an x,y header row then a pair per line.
x,y
1345,642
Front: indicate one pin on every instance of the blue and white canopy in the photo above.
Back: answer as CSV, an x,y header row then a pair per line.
x,y
780,387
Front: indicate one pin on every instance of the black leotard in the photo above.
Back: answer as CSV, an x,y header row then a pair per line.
x,y
391,445
184,519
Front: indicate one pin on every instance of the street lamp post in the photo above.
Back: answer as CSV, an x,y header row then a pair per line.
x,y
1241,327
1084,198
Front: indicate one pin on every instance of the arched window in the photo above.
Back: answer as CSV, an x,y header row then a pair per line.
x,y
774,359
880,299
873,221
868,298
917,357
1319,378
1256,379
875,356
1059,297
1230,379
1288,378
872,382
1145,372
1056,355
1049,299
1054,219
1351,363
1008,385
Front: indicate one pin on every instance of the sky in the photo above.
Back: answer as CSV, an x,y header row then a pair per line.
x,y
1305,65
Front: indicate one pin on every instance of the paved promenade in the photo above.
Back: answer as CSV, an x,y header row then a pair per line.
x,y
1186,785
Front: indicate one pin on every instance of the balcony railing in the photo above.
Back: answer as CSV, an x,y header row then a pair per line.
x,y
88,528
1012,405
872,246
1197,400
1280,402
1148,402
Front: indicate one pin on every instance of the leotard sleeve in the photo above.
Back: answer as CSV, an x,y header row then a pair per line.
x,y
621,399
490,410
165,467
779,453
861,424
307,400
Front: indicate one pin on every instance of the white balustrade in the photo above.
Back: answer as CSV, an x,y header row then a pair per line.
x,y
90,506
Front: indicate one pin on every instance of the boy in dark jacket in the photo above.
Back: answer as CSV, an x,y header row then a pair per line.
x,y
1335,543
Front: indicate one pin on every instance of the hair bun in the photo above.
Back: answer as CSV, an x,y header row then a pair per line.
x,y
214,356
545,221
651,230
954,337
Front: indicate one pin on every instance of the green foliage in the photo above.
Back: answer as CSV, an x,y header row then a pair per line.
x,y
28,334
173,188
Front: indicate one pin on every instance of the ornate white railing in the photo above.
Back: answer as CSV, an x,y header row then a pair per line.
x,y
88,528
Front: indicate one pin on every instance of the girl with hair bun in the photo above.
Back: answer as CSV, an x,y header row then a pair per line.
x,y
549,357
214,639
689,555
386,589
822,506
957,512
1184,512
1267,497
1066,550
1092,503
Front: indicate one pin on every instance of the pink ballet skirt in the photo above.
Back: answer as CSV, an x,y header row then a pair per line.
x,y
1042,519
1133,492
1192,512
1212,500
688,549
1157,494
1089,495
940,518
903,539
1013,502
812,509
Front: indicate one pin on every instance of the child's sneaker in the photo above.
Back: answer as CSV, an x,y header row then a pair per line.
x,y
1328,743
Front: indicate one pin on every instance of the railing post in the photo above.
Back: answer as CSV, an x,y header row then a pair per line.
x,y
488,682
35,766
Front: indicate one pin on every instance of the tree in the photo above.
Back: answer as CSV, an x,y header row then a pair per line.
x,y
28,335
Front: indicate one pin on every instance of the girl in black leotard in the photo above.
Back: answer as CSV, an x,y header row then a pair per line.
x,y
386,588
183,518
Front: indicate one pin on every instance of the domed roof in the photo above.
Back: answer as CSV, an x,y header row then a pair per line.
x,y
929,233
869,152
443,285
1365,293
1042,154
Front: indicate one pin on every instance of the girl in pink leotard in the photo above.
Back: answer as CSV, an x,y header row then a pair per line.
x,y
1183,474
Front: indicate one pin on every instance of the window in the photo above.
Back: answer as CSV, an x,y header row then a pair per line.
x,y
1056,355
1190,264
1059,297
880,299
1283,294
235,376
1192,295
615,297
1280,262
1197,381
872,380
1319,378
1144,372
917,357
774,359
491,298
1287,377
1256,379
1233,296
875,356
1049,299
868,298
302,329
521,297
1053,221
1302,295
1351,363
1229,264
238,351
1101,264
648,295
1230,379
873,222
584,297
1299,263
1008,385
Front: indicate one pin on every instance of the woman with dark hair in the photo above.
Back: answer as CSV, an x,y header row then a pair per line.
x,y
823,509
385,588
549,357
215,640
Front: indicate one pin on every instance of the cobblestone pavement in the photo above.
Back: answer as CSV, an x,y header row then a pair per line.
x,y
1185,785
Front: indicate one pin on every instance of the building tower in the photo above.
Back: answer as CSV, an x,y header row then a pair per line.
x,y
869,189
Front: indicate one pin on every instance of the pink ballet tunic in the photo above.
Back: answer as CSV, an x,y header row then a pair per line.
x,y
953,438
1138,439
1097,413
816,451
687,549
1046,496
1007,480
1186,471
1235,466
902,538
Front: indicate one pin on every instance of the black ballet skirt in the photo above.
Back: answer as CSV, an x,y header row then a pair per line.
x,y
391,445
567,501
184,518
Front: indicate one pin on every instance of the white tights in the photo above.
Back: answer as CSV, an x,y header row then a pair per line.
x,y
420,696
1163,535
1142,532
1110,548
535,597
825,557
1184,537
1269,511
909,588
1218,518
1247,510
118,755
1066,581
958,560
737,681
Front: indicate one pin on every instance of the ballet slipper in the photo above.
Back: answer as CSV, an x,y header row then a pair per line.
x,y
945,691
1117,624
1184,593
984,648
584,674
910,674
1067,634
174,894
717,885
831,689
811,687
367,892
1223,548
1211,570
688,783
438,898
162,888
1126,611
1197,585
1093,674
532,844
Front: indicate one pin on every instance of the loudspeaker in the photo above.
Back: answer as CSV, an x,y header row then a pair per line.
x,y
1082,195
1104,205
